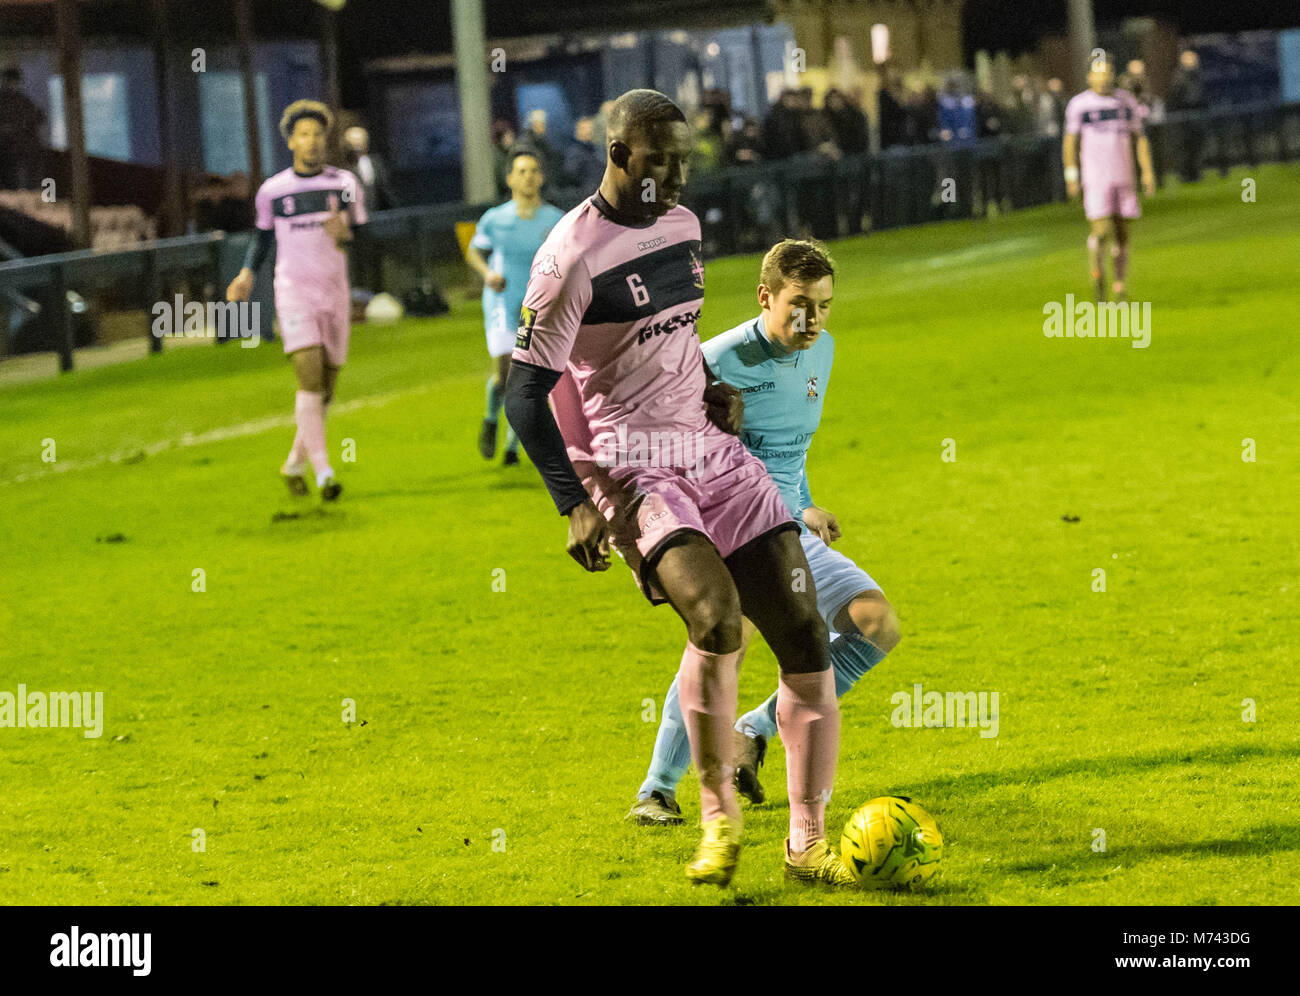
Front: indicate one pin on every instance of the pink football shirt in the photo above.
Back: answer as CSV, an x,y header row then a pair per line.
x,y
310,270
614,307
1106,125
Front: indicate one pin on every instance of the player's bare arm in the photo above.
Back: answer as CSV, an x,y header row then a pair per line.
x,y
1070,160
241,288
479,265
527,408
1146,170
337,228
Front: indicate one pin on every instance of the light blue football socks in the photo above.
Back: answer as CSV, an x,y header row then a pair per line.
x,y
672,753
852,656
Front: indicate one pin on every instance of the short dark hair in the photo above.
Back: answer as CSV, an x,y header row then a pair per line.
x,y
797,260
521,150
299,109
639,110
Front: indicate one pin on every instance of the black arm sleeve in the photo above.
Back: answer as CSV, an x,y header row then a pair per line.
x,y
258,247
527,389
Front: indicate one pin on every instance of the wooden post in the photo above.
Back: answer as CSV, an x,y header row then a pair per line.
x,y
68,30
329,58
244,42
172,213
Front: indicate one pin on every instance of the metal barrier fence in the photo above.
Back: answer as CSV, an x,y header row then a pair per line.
x,y
742,209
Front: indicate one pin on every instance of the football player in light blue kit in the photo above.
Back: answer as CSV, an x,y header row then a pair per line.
x,y
512,233
781,363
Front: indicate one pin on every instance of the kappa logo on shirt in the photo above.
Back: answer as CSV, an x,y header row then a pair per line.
x,y
547,266
524,335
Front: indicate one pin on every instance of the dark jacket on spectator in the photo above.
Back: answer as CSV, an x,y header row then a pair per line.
x,y
850,127
783,131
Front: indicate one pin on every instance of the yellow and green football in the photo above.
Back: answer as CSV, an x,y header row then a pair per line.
x,y
892,843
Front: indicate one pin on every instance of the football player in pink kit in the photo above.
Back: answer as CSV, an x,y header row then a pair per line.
x,y
309,211
1105,121
634,458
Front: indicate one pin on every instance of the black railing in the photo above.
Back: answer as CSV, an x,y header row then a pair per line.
x,y
741,209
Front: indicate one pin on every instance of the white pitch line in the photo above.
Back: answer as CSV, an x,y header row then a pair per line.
x,y
978,253
239,430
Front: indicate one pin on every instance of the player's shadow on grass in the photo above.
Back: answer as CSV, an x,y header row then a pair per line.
x,y
460,486
959,785
1258,840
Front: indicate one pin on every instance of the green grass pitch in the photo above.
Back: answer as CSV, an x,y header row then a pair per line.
x,y
500,734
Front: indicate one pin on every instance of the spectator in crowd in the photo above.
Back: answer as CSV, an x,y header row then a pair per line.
x,y
848,123
958,116
1187,94
848,126
707,153
21,149
369,168
222,203
584,163
990,119
535,139
1022,114
783,131
955,187
923,115
1134,80
717,102
744,144
818,135
503,140
812,211
990,123
366,257
893,115
598,136
1051,111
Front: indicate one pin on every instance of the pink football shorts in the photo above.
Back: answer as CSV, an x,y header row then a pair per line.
x,y
1110,200
729,498
320,325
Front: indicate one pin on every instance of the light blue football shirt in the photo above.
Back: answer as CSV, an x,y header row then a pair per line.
x,y
513,242
783,400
